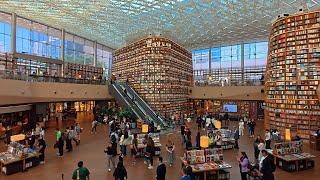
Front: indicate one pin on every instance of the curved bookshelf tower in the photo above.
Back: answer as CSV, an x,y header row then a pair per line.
x,y
293,74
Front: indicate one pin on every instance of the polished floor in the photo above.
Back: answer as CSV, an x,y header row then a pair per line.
x,y
91,152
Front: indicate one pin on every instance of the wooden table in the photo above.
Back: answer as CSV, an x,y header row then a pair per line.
x,y
23,160
205,171
292,159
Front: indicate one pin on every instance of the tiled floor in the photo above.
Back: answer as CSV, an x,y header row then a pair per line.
x,y
91,152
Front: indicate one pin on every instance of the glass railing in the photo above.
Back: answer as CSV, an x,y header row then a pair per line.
x,y
8,74
252,76
144,106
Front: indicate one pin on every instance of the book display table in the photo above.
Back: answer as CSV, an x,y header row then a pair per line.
x,y
141,145
207,163
11,164
289,156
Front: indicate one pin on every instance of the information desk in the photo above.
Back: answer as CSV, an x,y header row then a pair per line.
x,y
13,164
212,168
293,162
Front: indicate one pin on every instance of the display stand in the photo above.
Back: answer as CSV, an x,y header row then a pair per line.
x,y
289,156
141,146
208,162
228,142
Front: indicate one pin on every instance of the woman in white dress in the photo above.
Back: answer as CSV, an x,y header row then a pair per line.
x,y
241,128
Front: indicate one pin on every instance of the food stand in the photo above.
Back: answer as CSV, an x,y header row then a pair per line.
x,y
18,157
289,156
207,162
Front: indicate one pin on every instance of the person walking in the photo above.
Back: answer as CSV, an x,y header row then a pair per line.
x,y
60,145
110,151
58,134
150,152
236,136
81,173
170,149
218,140
241,128
68,139
94,125
124,141
243,164
261,146
78,131
267,166
198,140
42,147
161,169
256,149
268,139
120,173
134,148
182,128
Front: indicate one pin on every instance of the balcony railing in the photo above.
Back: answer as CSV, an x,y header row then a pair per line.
x,y
8,74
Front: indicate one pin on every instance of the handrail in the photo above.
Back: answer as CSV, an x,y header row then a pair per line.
x,y
156,117
125,99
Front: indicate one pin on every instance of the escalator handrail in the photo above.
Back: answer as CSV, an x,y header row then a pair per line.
x,y
126,101
158,117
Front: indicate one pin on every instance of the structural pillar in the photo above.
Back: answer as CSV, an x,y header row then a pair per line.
x,y
95,53
62,52
13,33
209,62
242,63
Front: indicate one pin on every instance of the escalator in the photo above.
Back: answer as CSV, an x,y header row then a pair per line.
x,y
125,101
127,97
144,106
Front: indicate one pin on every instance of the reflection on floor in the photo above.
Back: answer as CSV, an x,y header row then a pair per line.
x,y
91,152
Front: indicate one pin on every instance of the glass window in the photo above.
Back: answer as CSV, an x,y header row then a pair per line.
x,y
5,32
104,59
38,39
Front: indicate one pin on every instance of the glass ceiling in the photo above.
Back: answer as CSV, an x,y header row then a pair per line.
x,y
192,23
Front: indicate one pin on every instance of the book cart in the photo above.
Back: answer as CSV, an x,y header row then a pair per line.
x,y
207,163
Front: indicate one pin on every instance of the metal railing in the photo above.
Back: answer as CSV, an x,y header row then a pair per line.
x,y
9,74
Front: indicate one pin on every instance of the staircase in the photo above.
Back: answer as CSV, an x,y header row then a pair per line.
x,y
129,98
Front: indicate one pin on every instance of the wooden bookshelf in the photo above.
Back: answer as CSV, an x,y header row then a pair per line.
x,y
159,70
293,74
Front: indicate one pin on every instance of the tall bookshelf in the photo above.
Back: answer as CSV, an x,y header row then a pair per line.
x,y
159,70
293,74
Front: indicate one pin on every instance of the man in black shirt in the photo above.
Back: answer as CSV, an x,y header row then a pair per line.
x,y
161,170
268,166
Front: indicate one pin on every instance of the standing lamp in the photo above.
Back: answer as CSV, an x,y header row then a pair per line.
x,y
217,124
204,141
145,128
287,135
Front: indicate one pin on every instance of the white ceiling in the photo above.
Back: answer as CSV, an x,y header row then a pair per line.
x,y
192,23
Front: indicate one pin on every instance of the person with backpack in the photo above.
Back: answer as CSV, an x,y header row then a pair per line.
x,y
244,165
81,173
267,166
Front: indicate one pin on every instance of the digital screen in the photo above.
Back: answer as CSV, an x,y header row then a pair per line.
x,y
230,108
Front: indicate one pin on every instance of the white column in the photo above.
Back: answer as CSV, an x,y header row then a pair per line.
x,y
62,51
242,63
13,32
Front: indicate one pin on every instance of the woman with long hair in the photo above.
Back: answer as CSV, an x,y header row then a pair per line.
x,y
120,173
243,164
150,152
124,142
